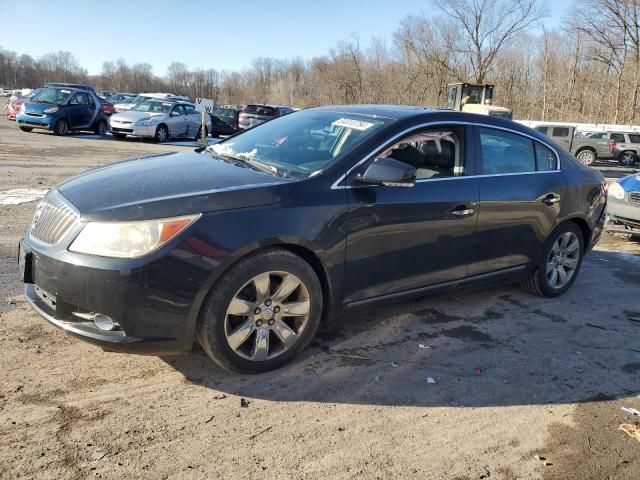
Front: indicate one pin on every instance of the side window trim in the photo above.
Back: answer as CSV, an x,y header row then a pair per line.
x,y
471,129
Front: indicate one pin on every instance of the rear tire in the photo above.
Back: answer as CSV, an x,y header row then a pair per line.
x,y
100,128
563,252
25,129
586,157
256,288
61,127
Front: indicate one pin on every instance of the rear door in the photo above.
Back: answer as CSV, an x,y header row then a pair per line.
x,y
521,190
194,120
403,239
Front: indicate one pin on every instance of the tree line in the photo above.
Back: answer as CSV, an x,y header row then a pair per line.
x,y
587,70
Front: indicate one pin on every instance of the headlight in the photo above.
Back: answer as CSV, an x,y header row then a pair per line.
x,y
616,190
23,107
128,239
51,110
145,122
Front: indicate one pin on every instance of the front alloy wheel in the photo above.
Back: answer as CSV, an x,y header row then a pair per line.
x,y
162,134
267,316
586,157
262,312
628,159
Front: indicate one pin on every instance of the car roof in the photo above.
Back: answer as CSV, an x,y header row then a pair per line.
x,y
77,86
394,112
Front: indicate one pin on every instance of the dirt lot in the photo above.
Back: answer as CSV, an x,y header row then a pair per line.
x,y
516,376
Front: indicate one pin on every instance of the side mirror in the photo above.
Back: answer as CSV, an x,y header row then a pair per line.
x,y
389,172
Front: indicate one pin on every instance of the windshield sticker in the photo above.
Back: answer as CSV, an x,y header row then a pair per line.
x,y
167,104
65,91
353,124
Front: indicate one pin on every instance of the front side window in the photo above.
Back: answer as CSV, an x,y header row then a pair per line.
x,y
634,138
560,132
504,152
542,129
79,99
433,153
617,137
301,144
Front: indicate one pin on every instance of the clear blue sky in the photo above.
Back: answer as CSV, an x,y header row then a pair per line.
x,y
233,31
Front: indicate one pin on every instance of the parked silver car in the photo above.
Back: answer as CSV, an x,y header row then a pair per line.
x,y
254,114
159,119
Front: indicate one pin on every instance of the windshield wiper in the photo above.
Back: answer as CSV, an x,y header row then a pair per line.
x,y
259,166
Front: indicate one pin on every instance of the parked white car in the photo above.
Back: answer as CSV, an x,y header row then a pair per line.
x,y
159,119
123,107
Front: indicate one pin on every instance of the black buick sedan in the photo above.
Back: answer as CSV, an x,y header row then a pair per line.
x,y
249,244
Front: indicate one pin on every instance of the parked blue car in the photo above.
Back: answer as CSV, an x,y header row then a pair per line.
x,y
62,109
623,206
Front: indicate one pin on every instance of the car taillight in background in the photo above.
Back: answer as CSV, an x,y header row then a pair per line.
x,y
612,145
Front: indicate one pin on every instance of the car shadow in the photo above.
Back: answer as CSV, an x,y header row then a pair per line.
x,y
482,346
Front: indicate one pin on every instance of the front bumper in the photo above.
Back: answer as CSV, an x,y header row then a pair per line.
x,y
40,120
152,300
622,217
132,129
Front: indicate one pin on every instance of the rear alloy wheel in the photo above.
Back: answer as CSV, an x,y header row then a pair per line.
x,y
162,134
560,263
628,159
25,129
61,127
100,129
262,313
586,157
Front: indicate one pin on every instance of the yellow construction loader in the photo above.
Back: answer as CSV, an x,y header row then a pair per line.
x,y
471,98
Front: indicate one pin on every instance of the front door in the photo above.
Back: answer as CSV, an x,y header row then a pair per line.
x,y
521,192
402,239
177,122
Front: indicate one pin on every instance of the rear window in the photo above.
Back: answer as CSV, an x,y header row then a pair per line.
x,y
226,114
260,110
617,137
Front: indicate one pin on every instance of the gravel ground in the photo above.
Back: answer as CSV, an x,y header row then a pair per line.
x,y
516,377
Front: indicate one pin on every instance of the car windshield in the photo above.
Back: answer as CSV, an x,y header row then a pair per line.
x,y
151,106
59,96
301,144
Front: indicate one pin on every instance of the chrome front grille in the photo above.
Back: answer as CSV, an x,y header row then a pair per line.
x,y
54,217
634,197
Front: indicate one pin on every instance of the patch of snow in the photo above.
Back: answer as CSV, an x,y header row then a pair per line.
x,y
16,196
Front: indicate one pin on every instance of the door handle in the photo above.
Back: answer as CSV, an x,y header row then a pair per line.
x,y
462,211
551,199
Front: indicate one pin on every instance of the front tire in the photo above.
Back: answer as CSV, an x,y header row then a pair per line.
x,y
162,134
25,129
261,313
628,159
61,127
560,263
586,157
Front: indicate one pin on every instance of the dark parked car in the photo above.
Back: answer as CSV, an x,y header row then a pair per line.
x,y
225,121
63,109
248,244
253,115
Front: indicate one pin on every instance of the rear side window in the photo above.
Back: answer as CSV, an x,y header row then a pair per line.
x,y
504,152
190,109
560,132
634,138
598,135
545,158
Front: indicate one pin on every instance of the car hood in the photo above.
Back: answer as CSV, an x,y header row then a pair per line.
x,y
132,116
169,185
35,107
124,106
630,183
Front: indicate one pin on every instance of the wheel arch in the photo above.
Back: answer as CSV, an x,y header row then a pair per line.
x,y
587,147
303,251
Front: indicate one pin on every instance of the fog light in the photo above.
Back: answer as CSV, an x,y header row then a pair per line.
x,y
103,322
